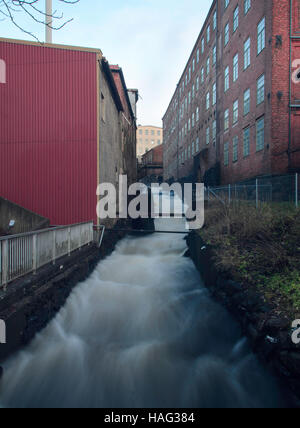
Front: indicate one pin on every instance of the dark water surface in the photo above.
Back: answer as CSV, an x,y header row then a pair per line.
x,y
140,332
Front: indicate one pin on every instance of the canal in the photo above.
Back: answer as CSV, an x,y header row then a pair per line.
x,y
141,332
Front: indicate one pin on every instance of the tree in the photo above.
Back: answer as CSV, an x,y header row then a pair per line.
x,y
13,9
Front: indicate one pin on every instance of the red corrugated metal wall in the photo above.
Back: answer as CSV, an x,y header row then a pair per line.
x,y
48,131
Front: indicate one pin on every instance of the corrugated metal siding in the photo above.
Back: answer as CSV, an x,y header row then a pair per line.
x,y
48,131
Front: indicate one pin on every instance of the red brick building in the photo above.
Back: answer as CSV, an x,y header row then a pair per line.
x,y
235,114
152,163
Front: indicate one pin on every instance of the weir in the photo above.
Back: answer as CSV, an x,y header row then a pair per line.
x,y
142,332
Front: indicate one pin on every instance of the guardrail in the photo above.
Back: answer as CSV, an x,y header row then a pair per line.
x,y
27,252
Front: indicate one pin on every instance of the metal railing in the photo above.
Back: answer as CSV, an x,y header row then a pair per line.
x,y
27,252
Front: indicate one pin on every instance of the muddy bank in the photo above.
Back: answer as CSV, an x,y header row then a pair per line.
x,y
269,334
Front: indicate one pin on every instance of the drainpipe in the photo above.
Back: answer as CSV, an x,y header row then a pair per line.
x,y
290,87
48,21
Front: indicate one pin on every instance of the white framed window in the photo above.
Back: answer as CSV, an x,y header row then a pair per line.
x,y
226,34
247,53
247,102
226,120
261,90
260,134
226,82
235,112
207,135
236,19
247,6
214,97
261,36
207,100
236,67
246,142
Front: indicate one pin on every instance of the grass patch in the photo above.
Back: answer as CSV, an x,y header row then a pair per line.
x,y
258,247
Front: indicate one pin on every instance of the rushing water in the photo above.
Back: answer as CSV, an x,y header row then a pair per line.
x,y
142,331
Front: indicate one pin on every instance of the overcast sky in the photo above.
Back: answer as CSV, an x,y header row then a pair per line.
x,y
150,39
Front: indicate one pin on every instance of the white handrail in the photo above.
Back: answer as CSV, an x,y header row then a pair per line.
x,y
27,252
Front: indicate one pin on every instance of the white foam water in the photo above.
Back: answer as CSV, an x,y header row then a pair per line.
x,y
142,332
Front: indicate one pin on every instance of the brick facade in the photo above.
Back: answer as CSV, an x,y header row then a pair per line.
x,y
229,141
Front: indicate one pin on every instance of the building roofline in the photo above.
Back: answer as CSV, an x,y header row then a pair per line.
x,y
149,126
117,69
51,45
112,84
191,55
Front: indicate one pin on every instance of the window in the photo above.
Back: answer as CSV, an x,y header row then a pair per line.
x,y
208,66
236,19
158,133
261,36
260,134
197,114
198,56
141,132
214,55
236,67
147,132
202,75
207,101
152,133
226,120
226,154
235,155
235,112
226,79
247,53
197,145
215,20
193,120
208,34
261,90
247,95
193,91
189,125
214,131
226,4
214,91
202,46
194,65
197,84
226,34
247,6
246,138
207,136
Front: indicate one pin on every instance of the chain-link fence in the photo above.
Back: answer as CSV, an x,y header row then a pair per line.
x,y
281,189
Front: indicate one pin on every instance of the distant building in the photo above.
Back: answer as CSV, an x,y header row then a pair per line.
x,y
148,137
67,125
235,114
152,163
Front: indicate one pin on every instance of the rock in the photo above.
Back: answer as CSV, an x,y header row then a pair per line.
x,y
275,324
291,360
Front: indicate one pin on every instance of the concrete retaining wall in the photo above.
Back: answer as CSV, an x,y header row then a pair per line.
x,y
25,221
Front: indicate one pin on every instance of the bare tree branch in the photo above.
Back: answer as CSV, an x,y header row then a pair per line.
x,y
12,10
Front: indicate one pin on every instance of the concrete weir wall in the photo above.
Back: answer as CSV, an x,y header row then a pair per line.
x,y
269,335
31,302
25,221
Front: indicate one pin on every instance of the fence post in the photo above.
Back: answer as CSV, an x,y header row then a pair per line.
x,y
5,263
256,193
54,247
69,241
34,253
296,199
